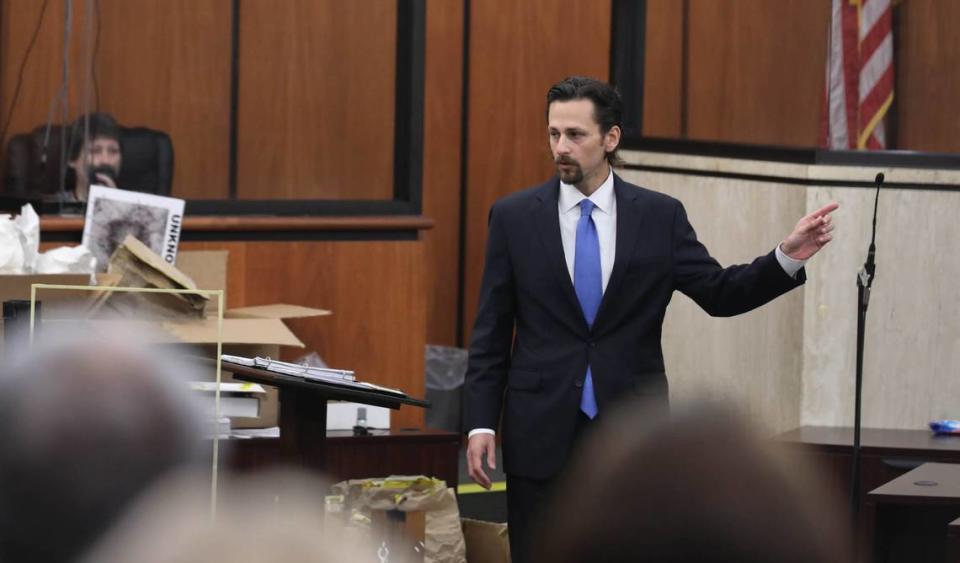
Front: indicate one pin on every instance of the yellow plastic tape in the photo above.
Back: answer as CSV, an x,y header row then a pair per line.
x,y
473,488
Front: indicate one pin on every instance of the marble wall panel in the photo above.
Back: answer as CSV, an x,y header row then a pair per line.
x,y
792,361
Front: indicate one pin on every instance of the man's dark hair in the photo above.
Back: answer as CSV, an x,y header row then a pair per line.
x,y
101,126
607,105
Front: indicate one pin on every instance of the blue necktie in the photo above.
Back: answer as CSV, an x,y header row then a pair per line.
x,y
588,282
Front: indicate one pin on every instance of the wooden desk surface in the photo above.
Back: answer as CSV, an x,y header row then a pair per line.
x,y
871,438
931,483
382,453
426,435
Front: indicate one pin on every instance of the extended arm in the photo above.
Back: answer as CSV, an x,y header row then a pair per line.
x,y
741,288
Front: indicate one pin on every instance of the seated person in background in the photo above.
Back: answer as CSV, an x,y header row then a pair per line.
x,y
95,158
53,163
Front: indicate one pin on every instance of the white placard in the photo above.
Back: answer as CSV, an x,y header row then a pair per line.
x,y
343,415
113,214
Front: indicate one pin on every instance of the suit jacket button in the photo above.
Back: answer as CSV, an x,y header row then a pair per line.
x,y
593,344
578,383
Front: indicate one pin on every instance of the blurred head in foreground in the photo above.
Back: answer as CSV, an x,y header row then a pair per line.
x,y
87,423
688,488
271,517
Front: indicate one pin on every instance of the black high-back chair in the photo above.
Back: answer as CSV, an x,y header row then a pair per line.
x,y
32,166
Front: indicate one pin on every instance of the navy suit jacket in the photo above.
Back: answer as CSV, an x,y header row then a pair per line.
x,y
531,344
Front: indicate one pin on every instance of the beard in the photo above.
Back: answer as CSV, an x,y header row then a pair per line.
x,y
569,176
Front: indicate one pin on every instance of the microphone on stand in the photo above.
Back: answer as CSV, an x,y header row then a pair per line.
x,y
864,283
870,267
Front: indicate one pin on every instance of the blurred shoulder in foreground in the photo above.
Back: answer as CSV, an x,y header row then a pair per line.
x,y
694,486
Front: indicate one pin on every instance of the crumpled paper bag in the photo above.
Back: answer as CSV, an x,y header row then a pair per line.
x,y
66,260
29,225
12,260
19,241
20,249
443,541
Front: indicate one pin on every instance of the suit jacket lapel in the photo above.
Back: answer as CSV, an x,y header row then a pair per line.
x,y
629,219
547,218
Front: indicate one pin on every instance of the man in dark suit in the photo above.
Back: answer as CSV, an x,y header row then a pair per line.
x,y
577,278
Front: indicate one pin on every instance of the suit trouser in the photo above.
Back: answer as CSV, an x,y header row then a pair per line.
x,y
527,498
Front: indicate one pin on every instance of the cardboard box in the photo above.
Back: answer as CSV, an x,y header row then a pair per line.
x,y
17,287
247,331
487,542
249,337
140,267
207,268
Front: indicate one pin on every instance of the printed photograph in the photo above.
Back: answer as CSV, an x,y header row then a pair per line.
x,y
113,214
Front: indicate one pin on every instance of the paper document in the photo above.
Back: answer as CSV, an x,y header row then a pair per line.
x,y
340,377
303,371
112,214
227,387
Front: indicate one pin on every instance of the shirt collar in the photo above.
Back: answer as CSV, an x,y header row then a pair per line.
x,y
603,198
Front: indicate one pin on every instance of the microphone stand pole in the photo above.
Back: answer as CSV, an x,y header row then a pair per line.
x,y
864,283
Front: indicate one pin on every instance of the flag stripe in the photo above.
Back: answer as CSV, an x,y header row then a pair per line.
x,y
851,69
876,36
836,135
859,74
875,99
876,68
870,12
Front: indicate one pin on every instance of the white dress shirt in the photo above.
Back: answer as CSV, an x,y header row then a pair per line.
x,y
604,216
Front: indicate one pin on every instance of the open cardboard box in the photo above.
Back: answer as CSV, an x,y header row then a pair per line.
x,y
17,287
247,331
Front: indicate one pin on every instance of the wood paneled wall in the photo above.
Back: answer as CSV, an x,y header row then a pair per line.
x,y
441,166
928,76
164,64
316,91
517,51
663,69
375,290
315,87
754,70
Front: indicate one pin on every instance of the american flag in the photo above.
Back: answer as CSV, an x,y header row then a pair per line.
x,y
859,86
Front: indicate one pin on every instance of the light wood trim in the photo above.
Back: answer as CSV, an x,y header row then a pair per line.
x,y
272,223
